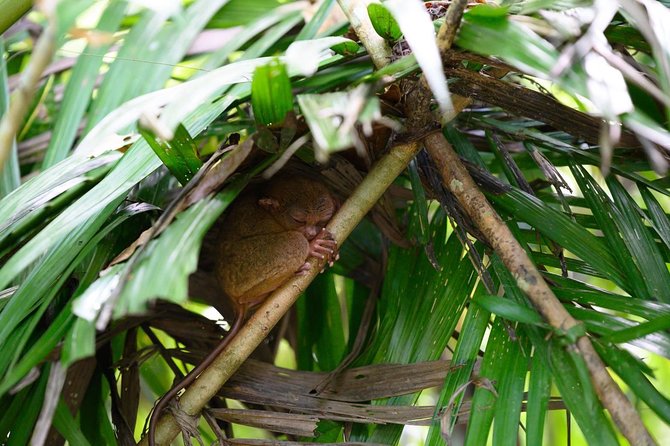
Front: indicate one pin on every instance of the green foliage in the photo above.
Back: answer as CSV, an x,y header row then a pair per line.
x,y
79,87
85,181
320,331
179,155
271,96
383,22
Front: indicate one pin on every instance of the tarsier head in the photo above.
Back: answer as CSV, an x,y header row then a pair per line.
x,y
299,204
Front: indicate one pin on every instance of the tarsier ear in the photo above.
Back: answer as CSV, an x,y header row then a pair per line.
x,y
269,203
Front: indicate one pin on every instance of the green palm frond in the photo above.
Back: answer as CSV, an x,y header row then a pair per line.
x,y
147,122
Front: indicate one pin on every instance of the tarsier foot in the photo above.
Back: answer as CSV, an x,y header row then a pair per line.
x,y
303,269
323,246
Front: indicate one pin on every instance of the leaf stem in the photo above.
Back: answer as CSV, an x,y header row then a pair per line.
x,y
23,95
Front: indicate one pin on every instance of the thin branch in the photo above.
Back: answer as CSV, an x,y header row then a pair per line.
x,y
23,95
531,104
357,13
447,32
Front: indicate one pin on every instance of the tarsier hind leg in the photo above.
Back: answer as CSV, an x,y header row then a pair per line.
x,y
260,264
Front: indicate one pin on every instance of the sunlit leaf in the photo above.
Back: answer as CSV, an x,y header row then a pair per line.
x,y
320,16
183,99
78,90
271,96
488,11
179,154
332,118
303,56
383,22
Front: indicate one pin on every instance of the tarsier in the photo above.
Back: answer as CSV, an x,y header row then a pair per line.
x,y
267,236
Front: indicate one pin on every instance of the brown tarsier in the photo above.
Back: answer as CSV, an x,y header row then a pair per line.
x,y
267,236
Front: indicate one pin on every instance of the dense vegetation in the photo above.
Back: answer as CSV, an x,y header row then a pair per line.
x,y
128,128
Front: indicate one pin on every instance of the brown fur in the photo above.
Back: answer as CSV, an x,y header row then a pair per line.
x,y
266,236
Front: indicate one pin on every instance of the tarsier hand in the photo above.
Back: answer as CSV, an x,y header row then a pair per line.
x,y
323,246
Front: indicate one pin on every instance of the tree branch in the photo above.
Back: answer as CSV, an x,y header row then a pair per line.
x,y
457,179
525,102
529,279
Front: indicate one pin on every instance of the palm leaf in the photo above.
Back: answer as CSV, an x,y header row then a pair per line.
x,y
545,94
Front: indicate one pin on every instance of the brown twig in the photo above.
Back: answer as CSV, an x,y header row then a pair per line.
x,y
531,104
22,96
447,32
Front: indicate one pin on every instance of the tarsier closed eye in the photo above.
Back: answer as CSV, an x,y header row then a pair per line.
x,y
297,217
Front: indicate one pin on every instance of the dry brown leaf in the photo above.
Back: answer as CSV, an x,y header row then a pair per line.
x,y
144,237
207,180
287,423
218,173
